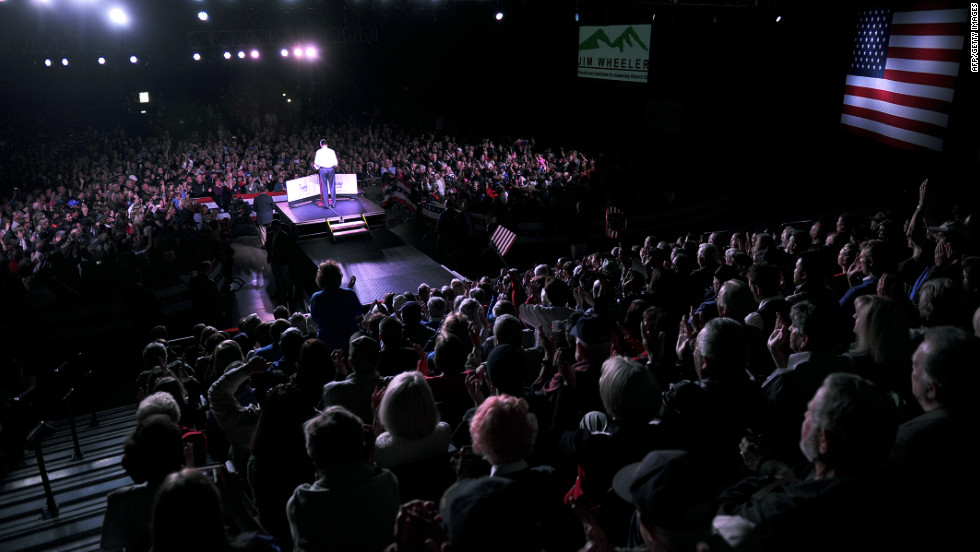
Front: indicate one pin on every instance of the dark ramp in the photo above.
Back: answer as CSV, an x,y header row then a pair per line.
x,y
381,261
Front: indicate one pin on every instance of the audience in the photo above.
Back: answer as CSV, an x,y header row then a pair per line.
x,y
768,363
352,504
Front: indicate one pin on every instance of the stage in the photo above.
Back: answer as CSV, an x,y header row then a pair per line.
x,y
380,260
310,220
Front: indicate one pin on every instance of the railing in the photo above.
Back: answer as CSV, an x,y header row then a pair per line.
x,y
34,442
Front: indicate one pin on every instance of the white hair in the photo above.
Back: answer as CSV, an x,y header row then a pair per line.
x,y
160,402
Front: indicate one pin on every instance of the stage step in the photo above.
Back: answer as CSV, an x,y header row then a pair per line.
x,y
351,232
347,226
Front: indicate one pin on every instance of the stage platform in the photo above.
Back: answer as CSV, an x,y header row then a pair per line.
x,y
381,261
310,220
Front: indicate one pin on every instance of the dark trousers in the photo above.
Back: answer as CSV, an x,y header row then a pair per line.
x,y
328,185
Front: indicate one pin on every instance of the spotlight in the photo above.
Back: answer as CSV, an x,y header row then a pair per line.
x,y
283,94
298,52
241,54
101,61
196,56
310,52
254,54
227,55
779,18
118,16
47,63
284,52
500,15
133,59
64,61
576,16
202,15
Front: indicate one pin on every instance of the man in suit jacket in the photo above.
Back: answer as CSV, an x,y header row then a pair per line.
x,y
264,207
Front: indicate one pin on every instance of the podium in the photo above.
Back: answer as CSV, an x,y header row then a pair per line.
x,y
307,188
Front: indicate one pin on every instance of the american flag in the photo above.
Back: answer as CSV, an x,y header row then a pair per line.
x,y
503,239
902,76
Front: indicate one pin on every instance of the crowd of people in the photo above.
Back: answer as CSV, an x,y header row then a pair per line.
x,y
804,388
79,217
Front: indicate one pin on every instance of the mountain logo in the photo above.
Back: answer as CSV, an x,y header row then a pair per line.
x,y
599,38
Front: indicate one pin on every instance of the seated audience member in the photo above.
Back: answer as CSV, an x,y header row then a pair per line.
x,y
437,310
842,503
447,381
413,431
765,281
246,334
279,462
163,402
709,259
290,343
508,329
154,364
555,300
805,355
874,260
352,505
504,433
354,393
414,330
735,301
709,415
810,279
579,383
940,303
397,355
188,516
673,497
951,244
489,514
315,369
225,352
882,349
153,451
849,269
477,316
931,455
271,352
621,433
235,420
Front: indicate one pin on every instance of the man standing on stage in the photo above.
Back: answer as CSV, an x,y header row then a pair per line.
x,y
326,162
